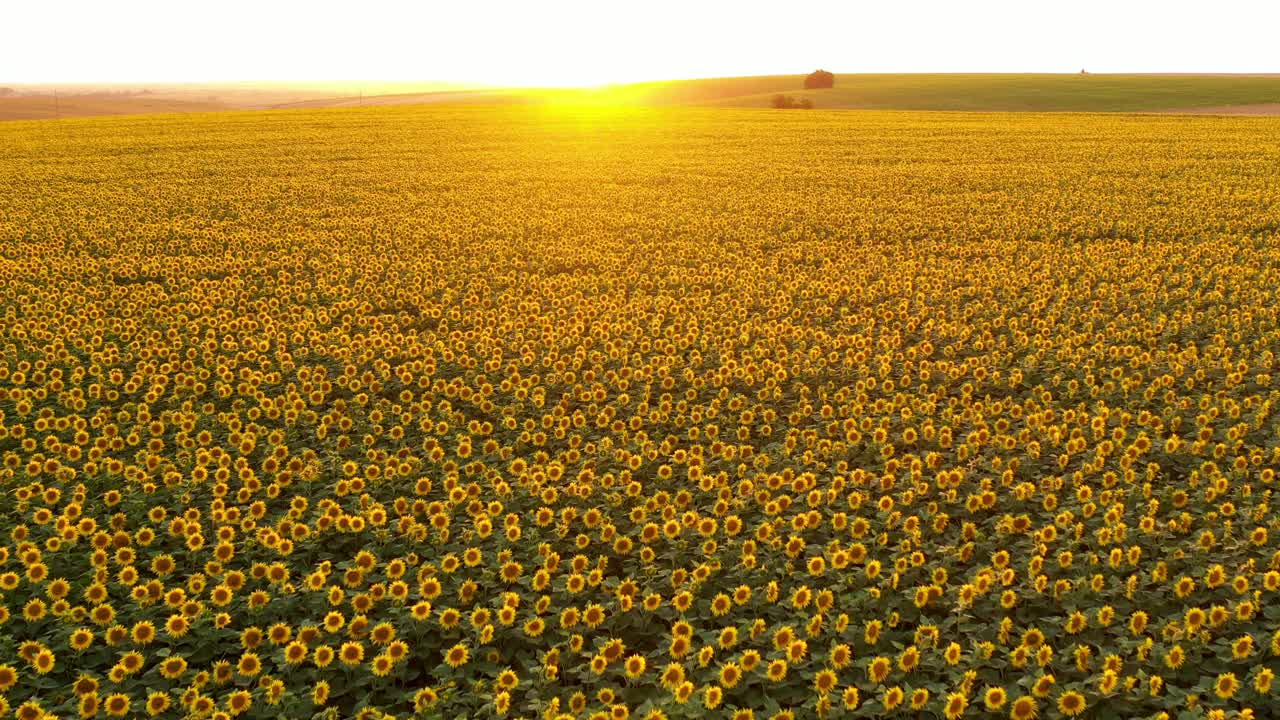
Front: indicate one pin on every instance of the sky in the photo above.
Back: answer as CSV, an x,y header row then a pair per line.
x,y
572,42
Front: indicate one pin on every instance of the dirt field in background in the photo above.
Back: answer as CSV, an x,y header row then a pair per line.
x,y
1260,110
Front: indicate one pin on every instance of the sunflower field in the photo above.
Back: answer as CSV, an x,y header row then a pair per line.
x,y
537,412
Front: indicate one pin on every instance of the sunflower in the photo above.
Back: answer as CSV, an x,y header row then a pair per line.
x,y
1083,655
878,669
1071,703
351,653
955,706
1174,657
840,656
712,696
727,638
797,650
280,633
450,618
239,702
635,666
994,698
1218,616
1195,618
1106,613
679,646
909,659
457,656
177,626
249,665
102,615
850,698
871,631
132,661
1226,685
80,639
919,698
1043,685
613,649
295,652
1242,647
116,634
382,665
117,705
892,697
85,685
173,667
683,692
222,673
421,611
35,610
1024,708
144,632
824,682
511,572
777,670
1263,680
952,654
44,661
1271,581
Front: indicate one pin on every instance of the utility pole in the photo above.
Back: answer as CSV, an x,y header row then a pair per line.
x,y
57,111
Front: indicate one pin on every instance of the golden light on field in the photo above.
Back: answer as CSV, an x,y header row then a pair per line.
x,y
597,401
516,412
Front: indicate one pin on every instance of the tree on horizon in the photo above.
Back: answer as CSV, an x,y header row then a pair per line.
x,y
819,79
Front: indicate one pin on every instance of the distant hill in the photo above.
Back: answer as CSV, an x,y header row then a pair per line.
x,y
978,92
1233,94
44,107
1226,94
37,102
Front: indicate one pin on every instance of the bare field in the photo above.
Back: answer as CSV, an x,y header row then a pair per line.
x,y
1258,109
41,107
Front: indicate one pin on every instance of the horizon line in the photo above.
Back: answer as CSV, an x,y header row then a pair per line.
x,y
461,84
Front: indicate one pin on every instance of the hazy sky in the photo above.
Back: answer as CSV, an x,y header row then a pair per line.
x,y
568,42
